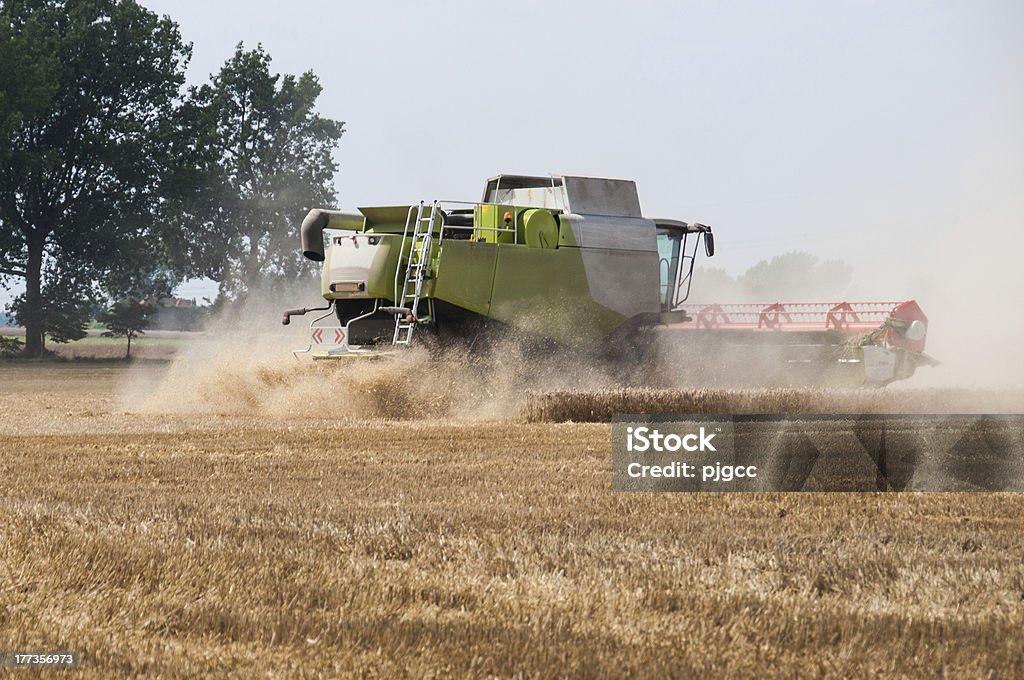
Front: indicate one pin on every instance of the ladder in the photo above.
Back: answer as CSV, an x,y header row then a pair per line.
x,y
408,295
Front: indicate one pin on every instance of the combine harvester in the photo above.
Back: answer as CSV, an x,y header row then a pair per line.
x,y
571,261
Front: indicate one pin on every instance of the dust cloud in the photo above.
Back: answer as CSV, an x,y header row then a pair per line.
x,y
967,274
244,365
951,237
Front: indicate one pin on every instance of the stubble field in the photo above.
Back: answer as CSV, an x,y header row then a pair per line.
x,y
246,540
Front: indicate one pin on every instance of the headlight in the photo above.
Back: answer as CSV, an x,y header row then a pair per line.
x,y
915,331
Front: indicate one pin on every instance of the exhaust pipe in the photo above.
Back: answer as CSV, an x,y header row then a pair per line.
x,y
312,233
286,318
404,311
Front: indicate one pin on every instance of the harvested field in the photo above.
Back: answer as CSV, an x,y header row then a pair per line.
x,y
155,350
154,345
277,543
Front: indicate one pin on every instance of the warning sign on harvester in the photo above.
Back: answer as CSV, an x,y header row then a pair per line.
x,y
818,453
327,335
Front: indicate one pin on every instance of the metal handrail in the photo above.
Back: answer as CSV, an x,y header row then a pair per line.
x,y
401,247
685,278
420,247
376,304
309,347
514,229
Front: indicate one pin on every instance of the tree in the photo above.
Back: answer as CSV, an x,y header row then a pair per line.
x,y
86,115
9,347
796,274
127,319
788,276
263,157
714,284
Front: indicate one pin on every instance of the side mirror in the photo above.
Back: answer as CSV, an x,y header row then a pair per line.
x,y
709,244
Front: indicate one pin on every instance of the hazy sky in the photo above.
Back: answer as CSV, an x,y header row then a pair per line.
x,y
831,127
861,130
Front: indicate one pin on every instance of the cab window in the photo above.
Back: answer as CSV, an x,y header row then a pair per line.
x,y
668,263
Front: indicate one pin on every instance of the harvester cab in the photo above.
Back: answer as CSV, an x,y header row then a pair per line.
x,y
570,260
678,245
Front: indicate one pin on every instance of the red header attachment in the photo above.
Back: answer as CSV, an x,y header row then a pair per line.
x,y
897,323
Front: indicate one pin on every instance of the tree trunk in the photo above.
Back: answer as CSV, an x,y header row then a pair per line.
x,y
252,265
35,342
128,353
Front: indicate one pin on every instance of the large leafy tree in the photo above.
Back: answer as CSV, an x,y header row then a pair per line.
x,y
87,93
259,157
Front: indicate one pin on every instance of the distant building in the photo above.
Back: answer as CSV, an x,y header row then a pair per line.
x,y
169,301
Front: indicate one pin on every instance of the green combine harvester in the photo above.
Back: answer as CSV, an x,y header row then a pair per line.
x,y
570,262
